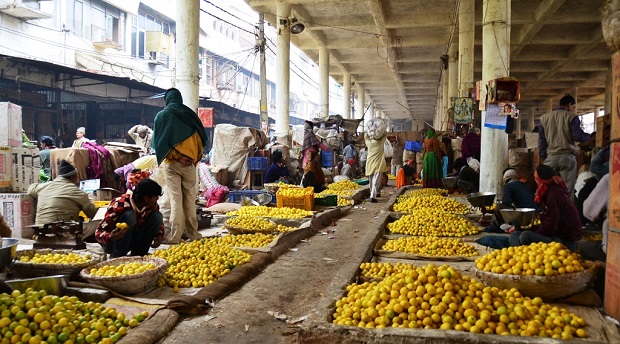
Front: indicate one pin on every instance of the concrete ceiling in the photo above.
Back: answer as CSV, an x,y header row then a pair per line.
x,y
557,46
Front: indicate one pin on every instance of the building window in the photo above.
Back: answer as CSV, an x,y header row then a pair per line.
x,y
141,24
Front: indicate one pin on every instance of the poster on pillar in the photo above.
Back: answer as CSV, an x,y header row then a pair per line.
x,y
494,117
206,117
463,110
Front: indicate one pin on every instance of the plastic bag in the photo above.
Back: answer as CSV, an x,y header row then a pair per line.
x,y
388,150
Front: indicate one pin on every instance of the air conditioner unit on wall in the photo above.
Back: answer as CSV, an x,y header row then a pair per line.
x,y
157,41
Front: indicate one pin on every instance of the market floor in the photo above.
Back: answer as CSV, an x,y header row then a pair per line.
x,y
290,286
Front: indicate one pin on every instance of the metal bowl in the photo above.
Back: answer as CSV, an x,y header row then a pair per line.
x,y
518,217
7,251
481,199
263,198
449,182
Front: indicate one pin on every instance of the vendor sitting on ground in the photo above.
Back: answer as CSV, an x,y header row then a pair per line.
x,y
61,199
468,178
278,170
515,194
313,174
133,223
406,174
348,170
559,219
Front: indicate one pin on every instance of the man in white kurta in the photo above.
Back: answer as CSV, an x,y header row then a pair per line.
x,y
375,165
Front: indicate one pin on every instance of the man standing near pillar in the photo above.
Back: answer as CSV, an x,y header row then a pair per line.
x,y
559,130
178,140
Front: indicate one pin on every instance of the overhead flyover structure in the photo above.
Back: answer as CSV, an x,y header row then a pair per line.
x,y
393,49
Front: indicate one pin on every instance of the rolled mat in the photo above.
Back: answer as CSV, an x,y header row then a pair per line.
x,y
195,304
156,327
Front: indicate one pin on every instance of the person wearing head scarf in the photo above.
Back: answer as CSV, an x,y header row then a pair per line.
x,y
432,171
559,219
80,138
61,199
142,135
47,144
178,139
311,143
470,146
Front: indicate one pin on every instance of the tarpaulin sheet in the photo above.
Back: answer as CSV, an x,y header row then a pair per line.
x,y
230,148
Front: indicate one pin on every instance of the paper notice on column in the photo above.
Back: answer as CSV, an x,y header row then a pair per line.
x,y
493,118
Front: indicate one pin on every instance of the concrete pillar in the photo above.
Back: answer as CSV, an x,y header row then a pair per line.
x,y
444,94
518,126
549,105
346,85
324,81
453,80
187,50
467,26
495,64
531,119
282,70
608,87
361,101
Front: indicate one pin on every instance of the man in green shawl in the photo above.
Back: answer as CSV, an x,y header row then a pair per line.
x,y
178,140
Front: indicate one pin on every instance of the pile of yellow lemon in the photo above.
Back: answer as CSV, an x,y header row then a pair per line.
x,y
343,185
423,193
56,258
35,317
491,207
411,204
295,192
252,223
201,262
264,211
441,297
440,247
284,229
538,259
432,222
126,269
342,201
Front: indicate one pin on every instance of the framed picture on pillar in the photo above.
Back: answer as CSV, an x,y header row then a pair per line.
x,y
463,110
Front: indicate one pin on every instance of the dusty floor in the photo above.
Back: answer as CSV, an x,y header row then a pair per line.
x,y
290,286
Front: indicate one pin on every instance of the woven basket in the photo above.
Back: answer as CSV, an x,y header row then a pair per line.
x,y
547,287
131,284
28,269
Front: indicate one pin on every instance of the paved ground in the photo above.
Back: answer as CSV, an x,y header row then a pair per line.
x,y
290,286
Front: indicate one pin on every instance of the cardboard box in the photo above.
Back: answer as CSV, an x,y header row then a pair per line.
x,y
615,96
11,128
6,169
18,210
105,194
26,168
519,157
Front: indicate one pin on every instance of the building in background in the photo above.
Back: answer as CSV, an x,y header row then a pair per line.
x,y
98,64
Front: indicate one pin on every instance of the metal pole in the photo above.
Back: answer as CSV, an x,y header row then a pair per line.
x,y
264,114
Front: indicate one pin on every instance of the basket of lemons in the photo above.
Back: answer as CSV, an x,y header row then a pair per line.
x,y
245,224
549,271
48,262
127,275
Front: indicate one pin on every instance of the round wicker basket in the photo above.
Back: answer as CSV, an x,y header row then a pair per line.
x,y
130,284
546,287
28,269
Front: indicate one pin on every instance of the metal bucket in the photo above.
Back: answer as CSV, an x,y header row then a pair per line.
x,y
7,252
